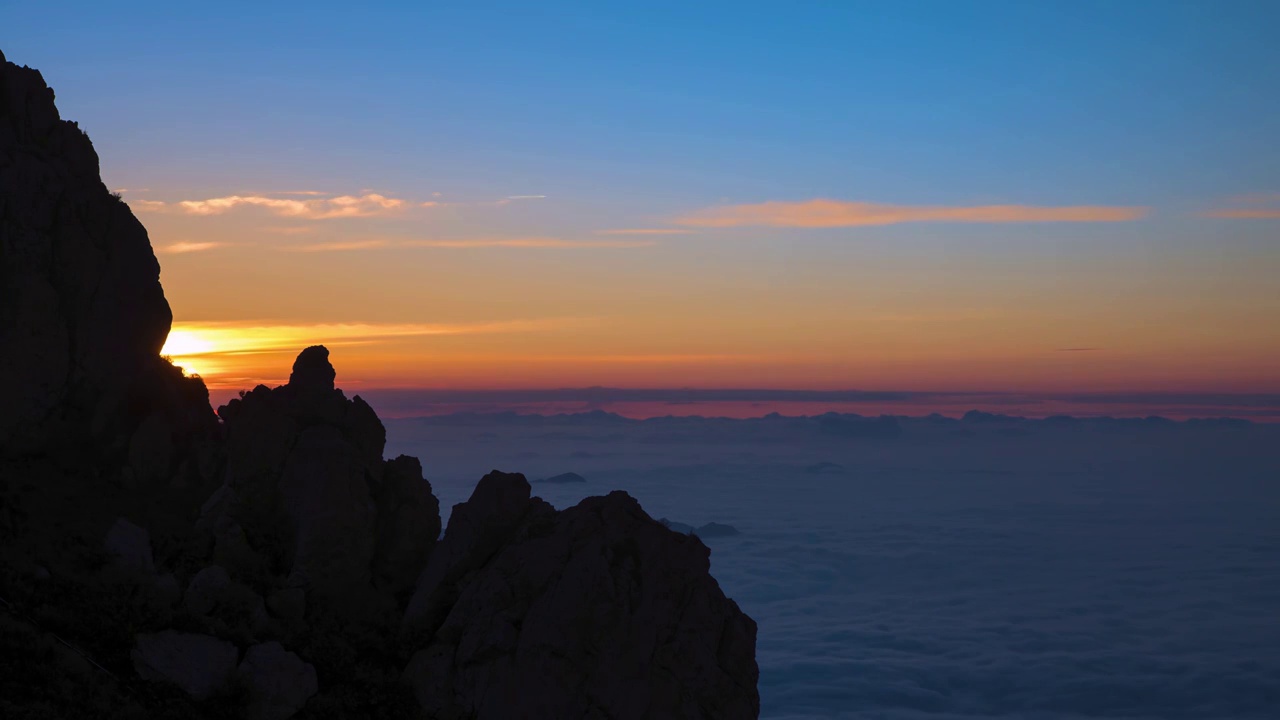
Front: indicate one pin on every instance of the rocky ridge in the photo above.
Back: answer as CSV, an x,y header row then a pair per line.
x,y
158,560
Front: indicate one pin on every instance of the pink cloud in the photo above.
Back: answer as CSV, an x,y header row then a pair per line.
x,y
824,213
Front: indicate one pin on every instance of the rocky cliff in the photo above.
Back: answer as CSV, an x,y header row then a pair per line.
x,y
158,560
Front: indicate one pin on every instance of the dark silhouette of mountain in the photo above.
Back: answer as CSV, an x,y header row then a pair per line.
x,y
158,560
709,530
569,477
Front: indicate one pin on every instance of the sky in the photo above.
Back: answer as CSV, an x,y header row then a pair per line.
x,y
1003,197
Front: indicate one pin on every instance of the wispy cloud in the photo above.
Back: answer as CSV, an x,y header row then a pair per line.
x,y
1255,206
290,229
312,204
336,246
823,213
180,248
1243,213
646,231
1077,349
342,206
465,243
528,242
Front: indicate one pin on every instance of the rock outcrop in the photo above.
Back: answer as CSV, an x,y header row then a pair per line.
x,y
82,313
272,561
198,664
596,611
306,480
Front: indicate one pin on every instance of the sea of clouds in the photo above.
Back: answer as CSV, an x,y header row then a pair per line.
x,y
936,568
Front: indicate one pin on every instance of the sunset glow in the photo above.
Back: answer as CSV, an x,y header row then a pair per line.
x,y
802,218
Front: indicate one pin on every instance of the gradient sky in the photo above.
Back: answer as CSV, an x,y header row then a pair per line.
x,y
958,196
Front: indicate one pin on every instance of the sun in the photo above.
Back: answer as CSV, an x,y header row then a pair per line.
x,y
186,342
184,346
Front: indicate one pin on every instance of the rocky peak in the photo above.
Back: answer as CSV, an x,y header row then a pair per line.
x,y
312,371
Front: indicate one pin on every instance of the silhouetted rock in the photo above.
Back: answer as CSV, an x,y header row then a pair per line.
x,y
312,371
825,468
279,682
518,611
477,529
408,524
674,526
82,314
198,664
710,530
715,529
569,477
596,611
305,477
885,426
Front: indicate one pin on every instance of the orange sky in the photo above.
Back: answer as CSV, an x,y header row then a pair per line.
x,y
404,298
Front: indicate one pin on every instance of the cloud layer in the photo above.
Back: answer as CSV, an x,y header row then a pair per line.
x,y
824,213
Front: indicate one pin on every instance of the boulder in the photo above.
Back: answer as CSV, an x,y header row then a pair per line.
x,y
198,664
278,681
206,590
130,546
212,593
168,590
289,604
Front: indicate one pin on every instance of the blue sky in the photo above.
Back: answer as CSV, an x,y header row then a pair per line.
x,y
1151,102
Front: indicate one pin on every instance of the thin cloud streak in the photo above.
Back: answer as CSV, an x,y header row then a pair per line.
x,y
1243,214
646,231
825,213
181,248
337,246
532,243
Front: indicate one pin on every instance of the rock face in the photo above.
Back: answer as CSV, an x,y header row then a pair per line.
x,y
519,611
596,611
82,314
